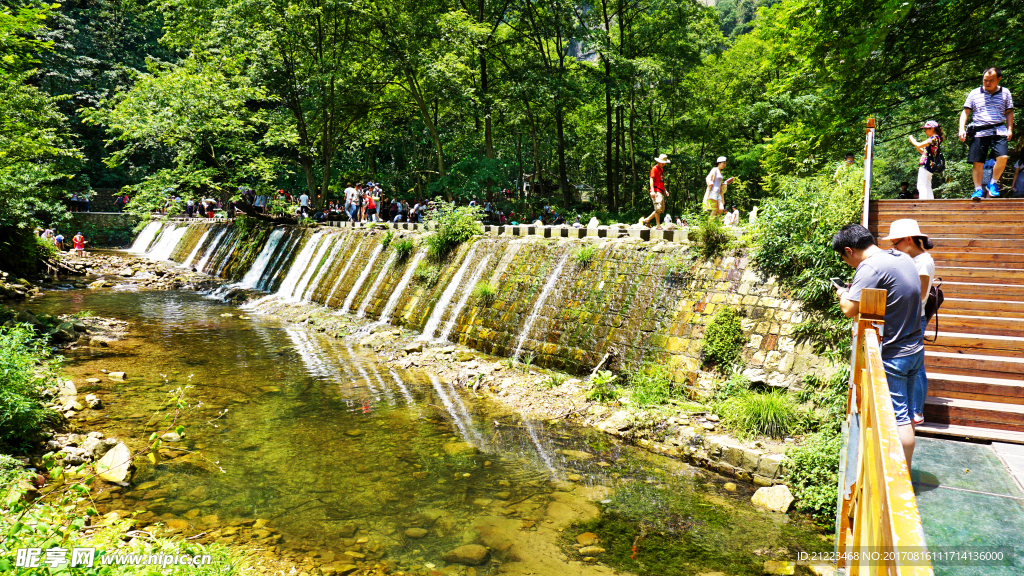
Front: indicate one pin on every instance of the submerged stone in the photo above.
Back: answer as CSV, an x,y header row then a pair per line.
x,y
469,555
775,498
115,464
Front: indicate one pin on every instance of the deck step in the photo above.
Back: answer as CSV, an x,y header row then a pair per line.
x,y
981,307
942,384
991,434
983,291
963,412
980,274
989,325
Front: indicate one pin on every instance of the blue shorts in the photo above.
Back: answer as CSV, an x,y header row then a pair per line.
x,y
901,374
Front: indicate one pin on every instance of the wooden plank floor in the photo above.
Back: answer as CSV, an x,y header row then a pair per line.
x,y
976,366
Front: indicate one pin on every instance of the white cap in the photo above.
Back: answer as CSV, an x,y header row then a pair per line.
x,y
721,159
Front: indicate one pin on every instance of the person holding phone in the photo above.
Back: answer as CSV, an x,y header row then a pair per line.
x,y
714,196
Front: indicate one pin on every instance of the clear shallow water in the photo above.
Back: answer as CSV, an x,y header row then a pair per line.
x,y
313,435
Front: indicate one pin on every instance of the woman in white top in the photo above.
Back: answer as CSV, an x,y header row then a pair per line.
x,y
906,237
732,218
714,196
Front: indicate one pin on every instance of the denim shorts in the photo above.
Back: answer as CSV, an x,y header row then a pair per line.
x,y
901,374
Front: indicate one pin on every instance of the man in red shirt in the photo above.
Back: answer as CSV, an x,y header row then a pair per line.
x,y
658,192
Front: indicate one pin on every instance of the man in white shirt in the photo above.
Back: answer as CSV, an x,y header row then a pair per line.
x,y
350,202
304,204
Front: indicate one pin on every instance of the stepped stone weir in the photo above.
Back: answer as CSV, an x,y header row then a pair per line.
x,y
976,365
635,302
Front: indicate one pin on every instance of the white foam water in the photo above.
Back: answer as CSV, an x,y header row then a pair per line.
x,y
298,268
195,251
307,294
341,276
465,297
362,278
385,315
552,278
376,284
252,277
145,238
311,269
168,241
446,297
211,249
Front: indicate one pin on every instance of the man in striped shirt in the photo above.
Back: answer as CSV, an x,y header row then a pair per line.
x,y
992,108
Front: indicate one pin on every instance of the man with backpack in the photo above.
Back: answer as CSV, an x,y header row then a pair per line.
x,y
991,110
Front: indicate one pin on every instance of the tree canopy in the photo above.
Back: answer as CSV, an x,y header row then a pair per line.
x,y
462,99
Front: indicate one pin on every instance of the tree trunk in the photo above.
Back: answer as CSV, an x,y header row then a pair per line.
x,y
414,90
609,134
563,181
632,152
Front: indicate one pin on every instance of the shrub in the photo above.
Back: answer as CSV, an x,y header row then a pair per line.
x,y
553,381
453,225
813,474
386,239
793,241
602,387
651,385
403,247
723,339
711,237
769,413
84,314
583,255
25,370
427,274
485,292
828,396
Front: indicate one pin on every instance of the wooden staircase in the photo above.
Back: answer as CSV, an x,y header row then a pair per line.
x,y
976,367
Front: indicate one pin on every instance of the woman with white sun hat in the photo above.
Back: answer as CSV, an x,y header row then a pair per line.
x,y
714,195
906,236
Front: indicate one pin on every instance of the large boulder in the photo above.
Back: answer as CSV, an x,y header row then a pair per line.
x,y
26,317
774,498
64,332
469,555
115,465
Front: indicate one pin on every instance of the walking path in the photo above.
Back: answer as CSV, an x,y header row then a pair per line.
x,y
970,496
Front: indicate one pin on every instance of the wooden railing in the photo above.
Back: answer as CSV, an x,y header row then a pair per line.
x,y
878,528
869,163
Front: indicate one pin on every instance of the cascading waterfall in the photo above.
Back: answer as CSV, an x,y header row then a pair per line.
x,y
376,283
252,277
227,256
540,304
385,315
362,277
298,268
211,249
195,251
145,238
342,275
446,297
168,241
324,244
266,282
307,293
477,273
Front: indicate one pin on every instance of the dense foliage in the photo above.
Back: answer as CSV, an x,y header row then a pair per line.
x,y
25,370
440,98
723,339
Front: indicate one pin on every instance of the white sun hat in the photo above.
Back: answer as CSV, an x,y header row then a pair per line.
x,y
721,159
903,228
663,159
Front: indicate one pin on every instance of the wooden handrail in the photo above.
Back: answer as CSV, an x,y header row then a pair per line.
x,y
877,511
869,159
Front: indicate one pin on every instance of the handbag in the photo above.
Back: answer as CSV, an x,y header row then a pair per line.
x,y
932,305
936,164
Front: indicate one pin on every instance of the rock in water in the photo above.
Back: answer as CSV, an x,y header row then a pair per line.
x,y
587,539
458,448
115,464
776,499
64,332
780,567
470,555
171,437
414,347
416,533
117,375
591,550
93,401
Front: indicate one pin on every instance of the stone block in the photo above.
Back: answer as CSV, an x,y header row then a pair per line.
x,y
733,455
751,458
769,465
786,364
755,341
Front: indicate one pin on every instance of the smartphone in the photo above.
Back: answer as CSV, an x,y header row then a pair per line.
x,y
729,181
838,282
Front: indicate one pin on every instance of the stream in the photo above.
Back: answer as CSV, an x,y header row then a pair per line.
x,y
305,446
